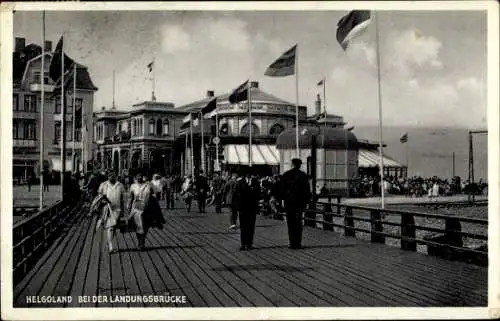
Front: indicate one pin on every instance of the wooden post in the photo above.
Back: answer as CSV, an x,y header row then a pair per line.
x,y
376,222
408,231
327,216
348,222
452,232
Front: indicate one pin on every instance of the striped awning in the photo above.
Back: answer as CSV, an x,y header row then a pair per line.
x,y
371,158
261,155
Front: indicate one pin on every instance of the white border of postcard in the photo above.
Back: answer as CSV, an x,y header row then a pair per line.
x,y
8,313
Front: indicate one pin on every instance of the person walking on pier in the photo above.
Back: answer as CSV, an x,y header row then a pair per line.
x,y
169,190
201,186
140,192
229,190
245,200
217,191
296,195
187,192
113,191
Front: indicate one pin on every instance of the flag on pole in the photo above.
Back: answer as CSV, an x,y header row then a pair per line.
x,y
321,115
351,26
210,109
191,117
239,94
284,65
151,65
320,83
404,138
55,64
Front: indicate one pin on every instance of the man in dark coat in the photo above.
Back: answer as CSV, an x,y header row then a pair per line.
x,y
229,189
245,201
218,190
201,186
296,195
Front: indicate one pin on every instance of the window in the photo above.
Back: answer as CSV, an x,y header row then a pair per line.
x,y
30,103
15,102
245,130
276,129
224,129
15,129
159,127
78,113
151,126
165,127
29,130
57,105
57,132
36,77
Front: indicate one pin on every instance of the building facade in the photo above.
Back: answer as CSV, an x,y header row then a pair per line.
x,y
27,109
143,137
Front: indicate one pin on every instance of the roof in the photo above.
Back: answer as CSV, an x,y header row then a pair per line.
x,y
256,95
326,137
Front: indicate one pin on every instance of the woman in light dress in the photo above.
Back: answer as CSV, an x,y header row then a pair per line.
x,y
187,192
140,192
114,192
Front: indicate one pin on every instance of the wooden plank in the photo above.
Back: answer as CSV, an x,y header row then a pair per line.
x,y
117,275
141,274
32,282
265,286
92,277
81,271
43,283
104,288
166,262
222,259
63,287
125,245
309,284
154,261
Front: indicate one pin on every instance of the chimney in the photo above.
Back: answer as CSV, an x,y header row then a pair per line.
x,y
254,84
210,93
48,46
318,105
20,44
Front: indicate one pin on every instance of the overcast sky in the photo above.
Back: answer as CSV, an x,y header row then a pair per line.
x,y
433,64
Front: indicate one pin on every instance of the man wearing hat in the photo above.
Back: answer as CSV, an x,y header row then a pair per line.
x,y
296,195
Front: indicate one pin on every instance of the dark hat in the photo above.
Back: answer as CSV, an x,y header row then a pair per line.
x,y
296,161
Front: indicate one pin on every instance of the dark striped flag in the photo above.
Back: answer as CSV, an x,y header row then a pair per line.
x,y
151,65
284,65
209,110
55,64
240,93
321,82
404,138
351,25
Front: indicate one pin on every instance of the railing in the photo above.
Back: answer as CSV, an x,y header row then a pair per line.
x,y
35,234
403,228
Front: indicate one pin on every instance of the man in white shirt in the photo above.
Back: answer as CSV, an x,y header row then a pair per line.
x,y
114,193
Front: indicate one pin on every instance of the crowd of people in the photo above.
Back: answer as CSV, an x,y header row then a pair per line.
x,y
416,186
239,191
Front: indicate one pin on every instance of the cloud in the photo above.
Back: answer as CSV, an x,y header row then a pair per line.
x,y
361,51
175,39
229,33
409,50
471,84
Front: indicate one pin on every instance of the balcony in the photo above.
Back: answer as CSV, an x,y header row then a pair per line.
x,y
69,145
38,88
57,117
21,114
25,142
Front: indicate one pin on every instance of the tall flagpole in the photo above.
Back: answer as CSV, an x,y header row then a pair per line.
x,y
202,143
249,94
42,111
297,100
217,138
113,103
381,152
324,98
192,145
153,97
185,160
63,122
73,136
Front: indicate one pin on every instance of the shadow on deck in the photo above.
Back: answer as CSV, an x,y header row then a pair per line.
x,y
199,258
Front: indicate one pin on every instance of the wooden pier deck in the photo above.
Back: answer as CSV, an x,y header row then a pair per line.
x,y
196,256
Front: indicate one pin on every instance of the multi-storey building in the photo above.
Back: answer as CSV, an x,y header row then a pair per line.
x,y
143,137
28,80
